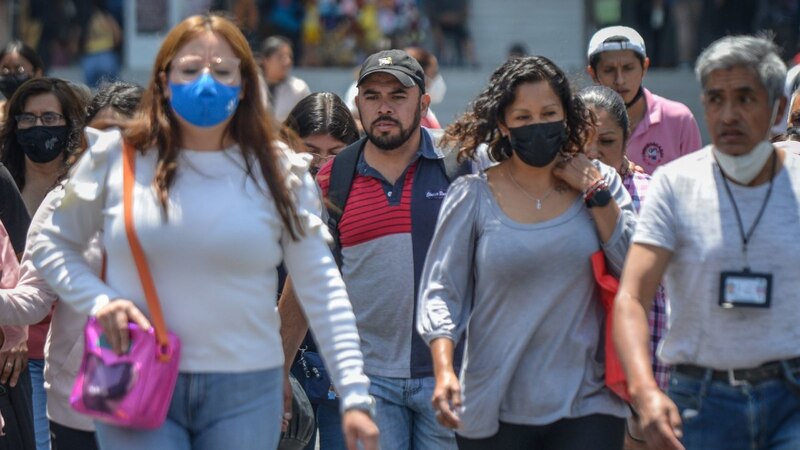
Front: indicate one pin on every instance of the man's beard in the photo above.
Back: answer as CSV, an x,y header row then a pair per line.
x,y
392,142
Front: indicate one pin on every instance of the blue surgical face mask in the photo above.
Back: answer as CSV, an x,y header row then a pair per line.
x,y
204,102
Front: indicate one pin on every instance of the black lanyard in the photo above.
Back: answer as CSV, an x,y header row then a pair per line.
x,y
746,237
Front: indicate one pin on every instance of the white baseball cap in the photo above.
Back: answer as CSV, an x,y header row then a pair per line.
x,y
616,38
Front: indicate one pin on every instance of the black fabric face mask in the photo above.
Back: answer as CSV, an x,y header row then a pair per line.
x,y
10,83
43,144
538,144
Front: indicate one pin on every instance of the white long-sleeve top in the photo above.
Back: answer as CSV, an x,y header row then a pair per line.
x,y
31,300
213,259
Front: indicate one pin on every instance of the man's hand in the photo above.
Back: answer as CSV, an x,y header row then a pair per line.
x,y
660,420
358,427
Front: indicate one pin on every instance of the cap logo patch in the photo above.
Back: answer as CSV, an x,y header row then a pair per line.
x,y
385,61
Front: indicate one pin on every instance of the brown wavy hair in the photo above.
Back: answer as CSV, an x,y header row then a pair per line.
x,y
479,125
157,126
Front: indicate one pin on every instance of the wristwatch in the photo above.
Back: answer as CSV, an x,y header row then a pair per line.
x,y
367,405
597,195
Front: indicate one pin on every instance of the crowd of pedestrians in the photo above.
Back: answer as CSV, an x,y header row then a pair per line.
x,y
334,275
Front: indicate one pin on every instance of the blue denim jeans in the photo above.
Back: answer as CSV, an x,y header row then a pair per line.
x,y
41,426
405,416
211,411
717,415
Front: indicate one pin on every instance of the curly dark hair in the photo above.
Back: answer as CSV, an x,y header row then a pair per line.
x,y
480,125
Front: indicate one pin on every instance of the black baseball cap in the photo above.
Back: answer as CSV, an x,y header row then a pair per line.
x,y
394,62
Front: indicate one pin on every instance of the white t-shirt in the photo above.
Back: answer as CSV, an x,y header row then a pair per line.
x,y
689,212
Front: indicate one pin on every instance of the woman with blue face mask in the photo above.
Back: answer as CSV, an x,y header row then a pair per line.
x,y
509,270
217,205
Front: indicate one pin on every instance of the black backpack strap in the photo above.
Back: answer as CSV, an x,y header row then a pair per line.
x,y
343,171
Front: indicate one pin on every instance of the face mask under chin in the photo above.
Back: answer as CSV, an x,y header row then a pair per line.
x,y
743,169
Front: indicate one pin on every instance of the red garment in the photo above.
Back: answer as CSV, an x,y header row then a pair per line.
x,y
37,335
615,376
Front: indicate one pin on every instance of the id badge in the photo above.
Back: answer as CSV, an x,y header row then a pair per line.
x,y
745,289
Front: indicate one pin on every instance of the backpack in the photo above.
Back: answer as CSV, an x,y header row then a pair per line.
x,y
343,172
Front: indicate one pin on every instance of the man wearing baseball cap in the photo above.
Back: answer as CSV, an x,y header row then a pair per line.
x,y
661,129
394,181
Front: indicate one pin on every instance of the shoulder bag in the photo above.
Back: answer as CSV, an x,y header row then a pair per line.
x,y
133,389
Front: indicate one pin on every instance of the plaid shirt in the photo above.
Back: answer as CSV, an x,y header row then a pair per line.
x,y
637,184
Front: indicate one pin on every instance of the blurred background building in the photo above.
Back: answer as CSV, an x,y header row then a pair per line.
x,y
470,37
463,33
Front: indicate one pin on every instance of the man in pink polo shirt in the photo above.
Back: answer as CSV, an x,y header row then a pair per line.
x,y
661,129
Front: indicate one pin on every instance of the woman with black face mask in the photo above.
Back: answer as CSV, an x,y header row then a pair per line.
x,y
32,299
18,64
510,265
44,127
46,117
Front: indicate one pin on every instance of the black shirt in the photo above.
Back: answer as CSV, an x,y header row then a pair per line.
x,y
13,213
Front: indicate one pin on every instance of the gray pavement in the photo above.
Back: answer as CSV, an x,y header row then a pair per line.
x,y
464,84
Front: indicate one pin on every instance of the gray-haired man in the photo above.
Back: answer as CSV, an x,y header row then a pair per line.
x,y
720,223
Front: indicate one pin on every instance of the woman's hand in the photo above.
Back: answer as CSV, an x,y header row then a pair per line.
x,y
578,172
359,427
12,363
660,420
114,318
447,399
635,168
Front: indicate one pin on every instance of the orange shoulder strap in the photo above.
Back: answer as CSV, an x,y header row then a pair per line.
x,y
128,180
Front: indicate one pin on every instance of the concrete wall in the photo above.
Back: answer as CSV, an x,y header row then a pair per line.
x,y
552,28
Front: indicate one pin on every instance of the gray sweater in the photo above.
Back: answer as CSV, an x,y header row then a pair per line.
x,y
526,296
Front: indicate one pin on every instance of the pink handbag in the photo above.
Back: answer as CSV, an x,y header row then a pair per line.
x,y
133,389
